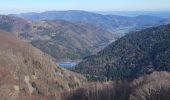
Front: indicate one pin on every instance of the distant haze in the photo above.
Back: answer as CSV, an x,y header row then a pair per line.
x,y
163,14
20,6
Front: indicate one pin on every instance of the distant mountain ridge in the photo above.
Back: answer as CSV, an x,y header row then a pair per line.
x,y
162,14
59,38
109,22
14,24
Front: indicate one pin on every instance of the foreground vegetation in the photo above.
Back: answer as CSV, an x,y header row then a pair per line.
x,y
148,87
26,73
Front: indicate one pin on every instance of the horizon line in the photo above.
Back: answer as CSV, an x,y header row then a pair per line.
x,y
20,12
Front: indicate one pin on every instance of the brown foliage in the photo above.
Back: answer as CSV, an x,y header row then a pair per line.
x,y
148,87
99,91
26,72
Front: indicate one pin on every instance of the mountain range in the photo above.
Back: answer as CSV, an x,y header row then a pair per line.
x,y
108,22
73,34
61,39
126,57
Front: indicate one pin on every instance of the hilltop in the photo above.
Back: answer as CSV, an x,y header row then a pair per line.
x,y
109,22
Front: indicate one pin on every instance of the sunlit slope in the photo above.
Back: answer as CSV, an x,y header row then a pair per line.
x,y
26,72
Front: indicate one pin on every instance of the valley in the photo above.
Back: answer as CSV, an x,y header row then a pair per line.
x,y
81,55
66,35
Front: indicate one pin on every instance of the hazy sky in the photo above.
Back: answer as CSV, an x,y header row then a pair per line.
x,y
17,6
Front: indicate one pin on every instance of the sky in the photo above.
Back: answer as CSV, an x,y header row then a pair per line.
x,y
20,6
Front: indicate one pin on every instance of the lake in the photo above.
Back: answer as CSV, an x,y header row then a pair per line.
x,y
67,65
103,45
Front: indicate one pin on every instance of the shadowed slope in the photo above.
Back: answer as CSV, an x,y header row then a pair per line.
x,y
133,55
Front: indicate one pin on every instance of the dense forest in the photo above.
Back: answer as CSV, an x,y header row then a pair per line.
x,y
135,54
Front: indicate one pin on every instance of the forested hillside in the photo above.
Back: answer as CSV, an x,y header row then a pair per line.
x,y
61,39
135,54
26,73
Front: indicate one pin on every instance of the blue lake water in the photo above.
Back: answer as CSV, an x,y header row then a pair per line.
x,y
103,45
67,65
